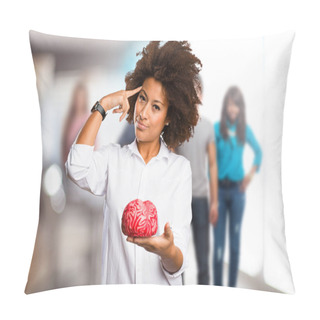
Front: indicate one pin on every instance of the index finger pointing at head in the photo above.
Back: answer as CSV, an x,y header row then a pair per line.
x,y
133,92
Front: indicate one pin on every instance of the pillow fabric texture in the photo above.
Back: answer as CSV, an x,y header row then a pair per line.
x,y
73,73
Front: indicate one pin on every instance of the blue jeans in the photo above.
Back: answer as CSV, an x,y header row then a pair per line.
x,y
231,206
200,228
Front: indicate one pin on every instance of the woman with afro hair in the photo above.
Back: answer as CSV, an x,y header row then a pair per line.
x,y
161,101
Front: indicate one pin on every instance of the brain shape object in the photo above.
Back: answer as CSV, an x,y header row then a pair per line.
x,y
139,219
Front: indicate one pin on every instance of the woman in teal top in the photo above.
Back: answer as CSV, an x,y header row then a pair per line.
x,y
232,133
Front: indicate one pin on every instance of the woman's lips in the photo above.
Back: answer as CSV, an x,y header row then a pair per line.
x,y
141,126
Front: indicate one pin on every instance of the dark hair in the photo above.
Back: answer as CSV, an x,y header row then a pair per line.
x,y
234,94
177,69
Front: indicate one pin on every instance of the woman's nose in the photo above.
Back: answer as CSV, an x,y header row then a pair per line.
x,y
145,111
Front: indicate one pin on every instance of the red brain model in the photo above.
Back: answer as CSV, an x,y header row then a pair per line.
x,y
139,219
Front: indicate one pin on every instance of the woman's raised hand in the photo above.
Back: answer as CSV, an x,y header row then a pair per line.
x,y
90,130
119,98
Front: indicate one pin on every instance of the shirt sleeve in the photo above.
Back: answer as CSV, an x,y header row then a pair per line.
x,y
181,221
255,147
88,168
216,131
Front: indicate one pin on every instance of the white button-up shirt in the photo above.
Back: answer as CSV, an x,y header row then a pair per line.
x,y
121,175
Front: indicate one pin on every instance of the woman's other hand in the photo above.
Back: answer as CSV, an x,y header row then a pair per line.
x,y
163,246
245,182
247,179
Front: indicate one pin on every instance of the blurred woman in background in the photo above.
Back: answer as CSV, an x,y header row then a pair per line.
x,y
232,133
77,116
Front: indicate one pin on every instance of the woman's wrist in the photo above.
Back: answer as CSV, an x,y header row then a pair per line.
x,y
105,103
170,260
169,253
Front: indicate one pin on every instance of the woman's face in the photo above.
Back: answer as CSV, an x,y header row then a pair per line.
x,y
232,111
150,112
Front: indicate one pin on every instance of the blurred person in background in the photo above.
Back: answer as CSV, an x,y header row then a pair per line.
x,y
200,150
76,117
231,134
127,135
161,100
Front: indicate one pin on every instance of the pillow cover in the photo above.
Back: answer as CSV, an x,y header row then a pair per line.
x,y
73,73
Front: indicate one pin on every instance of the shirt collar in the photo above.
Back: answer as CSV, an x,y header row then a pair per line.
x,y
163,152
232,126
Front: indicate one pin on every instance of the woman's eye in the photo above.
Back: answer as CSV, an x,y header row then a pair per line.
x,y
142,98
156,107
